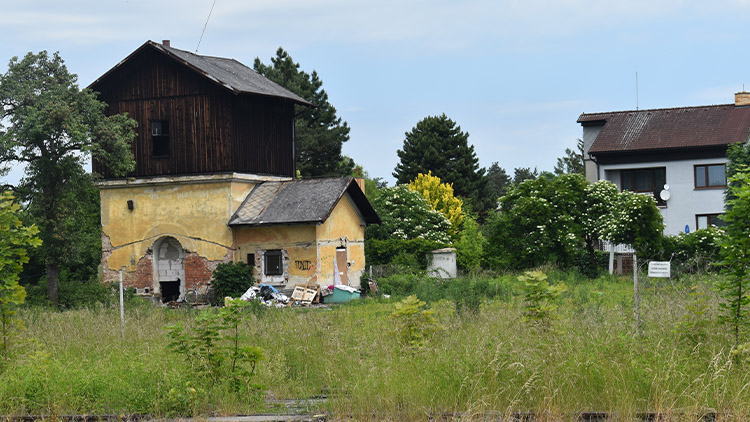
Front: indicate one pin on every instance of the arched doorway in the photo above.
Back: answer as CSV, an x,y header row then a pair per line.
x,y
169,269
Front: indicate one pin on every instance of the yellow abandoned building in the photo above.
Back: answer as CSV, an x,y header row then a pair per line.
x,y
214,182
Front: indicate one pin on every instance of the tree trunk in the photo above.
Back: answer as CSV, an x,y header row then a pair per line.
x,y
53,274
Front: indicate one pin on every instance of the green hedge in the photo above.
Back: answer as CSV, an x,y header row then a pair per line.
x,y
407,252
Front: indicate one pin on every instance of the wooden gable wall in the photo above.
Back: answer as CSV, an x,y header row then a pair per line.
x,y
211,129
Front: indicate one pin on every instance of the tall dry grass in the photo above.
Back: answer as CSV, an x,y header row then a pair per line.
x,y
489,363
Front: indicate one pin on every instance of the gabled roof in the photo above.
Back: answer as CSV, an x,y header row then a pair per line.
x,y
669,128
308,201
228,73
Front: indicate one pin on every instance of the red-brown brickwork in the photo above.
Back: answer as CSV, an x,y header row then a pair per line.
x,y
108,276
144,273
198,271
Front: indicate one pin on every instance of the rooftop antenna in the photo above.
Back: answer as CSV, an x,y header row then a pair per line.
x,y
204,27
636,90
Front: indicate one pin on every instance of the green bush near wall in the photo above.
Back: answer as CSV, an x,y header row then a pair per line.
x,y
406,252
231,279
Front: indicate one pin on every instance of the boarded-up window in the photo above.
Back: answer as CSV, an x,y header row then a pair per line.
x,y
273,265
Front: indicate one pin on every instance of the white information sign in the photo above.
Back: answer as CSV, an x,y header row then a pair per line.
x,y
659,269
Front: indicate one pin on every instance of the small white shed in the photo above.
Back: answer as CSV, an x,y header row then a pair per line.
x,y
442,263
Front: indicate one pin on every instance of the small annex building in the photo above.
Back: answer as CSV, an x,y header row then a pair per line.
x,y
214,181
678,155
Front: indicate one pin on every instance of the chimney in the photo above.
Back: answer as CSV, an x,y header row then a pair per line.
x,y
742,98
165,43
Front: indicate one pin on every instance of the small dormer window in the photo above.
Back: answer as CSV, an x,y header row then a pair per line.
x,y
160,138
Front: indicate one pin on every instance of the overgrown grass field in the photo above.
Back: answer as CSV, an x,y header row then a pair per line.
x,y
476,362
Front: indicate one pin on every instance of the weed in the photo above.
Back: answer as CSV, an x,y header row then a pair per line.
x,y
540,299
214,351
415,322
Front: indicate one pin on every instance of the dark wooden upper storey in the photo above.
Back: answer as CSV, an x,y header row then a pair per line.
x,y
200,114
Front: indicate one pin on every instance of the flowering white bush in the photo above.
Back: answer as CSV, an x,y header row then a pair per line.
x,y
404,214
551,220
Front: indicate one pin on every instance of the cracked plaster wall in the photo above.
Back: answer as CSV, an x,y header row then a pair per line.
x,y
195,214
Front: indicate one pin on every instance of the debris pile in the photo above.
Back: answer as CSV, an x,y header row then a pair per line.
x,y
267,295
302,295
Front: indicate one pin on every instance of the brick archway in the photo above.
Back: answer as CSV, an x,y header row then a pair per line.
x,y
169,268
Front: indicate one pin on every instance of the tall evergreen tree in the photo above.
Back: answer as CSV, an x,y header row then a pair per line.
x,y
319,133
53,126
572,161
437,144
522,174
497,181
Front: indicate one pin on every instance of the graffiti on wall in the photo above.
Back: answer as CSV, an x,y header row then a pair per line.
x,y
303,265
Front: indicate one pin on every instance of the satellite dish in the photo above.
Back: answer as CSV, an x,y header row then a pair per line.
x,y
666,187
664,195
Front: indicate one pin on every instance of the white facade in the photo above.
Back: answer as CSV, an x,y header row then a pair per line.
x,y
685,202
682,147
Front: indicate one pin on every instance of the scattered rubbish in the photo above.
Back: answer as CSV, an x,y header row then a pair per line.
x,y
267,295
373,285
304,295
250,294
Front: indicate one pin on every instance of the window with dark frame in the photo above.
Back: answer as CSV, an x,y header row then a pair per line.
x,y
273,265
710,176
703,221
160,138
647,180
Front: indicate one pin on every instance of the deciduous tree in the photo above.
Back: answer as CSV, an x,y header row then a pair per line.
x,y
319,132
404,214
15,238
439,196
52,126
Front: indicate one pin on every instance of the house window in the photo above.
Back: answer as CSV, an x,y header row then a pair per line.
x,y
160,138
702,221
710,176
648,180
273,262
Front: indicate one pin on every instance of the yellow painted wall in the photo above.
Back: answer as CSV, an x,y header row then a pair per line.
x,y
309,250
343,228
300,263
196,214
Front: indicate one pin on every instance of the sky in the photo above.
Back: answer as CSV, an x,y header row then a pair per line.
x,y
513,74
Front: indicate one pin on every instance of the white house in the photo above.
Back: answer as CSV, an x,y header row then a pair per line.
x,y
676,154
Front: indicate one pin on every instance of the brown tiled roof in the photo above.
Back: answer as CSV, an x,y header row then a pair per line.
x,y
669,128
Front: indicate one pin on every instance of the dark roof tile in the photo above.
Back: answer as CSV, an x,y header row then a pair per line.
x,y
669,128
308,201
228,73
